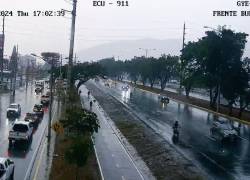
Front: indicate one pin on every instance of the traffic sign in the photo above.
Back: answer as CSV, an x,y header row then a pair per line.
x,y
57,127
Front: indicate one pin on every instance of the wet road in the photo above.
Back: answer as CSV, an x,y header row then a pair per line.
x,y
21,154
219,161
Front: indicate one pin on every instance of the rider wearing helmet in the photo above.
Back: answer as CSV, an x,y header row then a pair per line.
x,y
176,125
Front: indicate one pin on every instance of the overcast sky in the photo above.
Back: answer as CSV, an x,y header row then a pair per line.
x,y
159,19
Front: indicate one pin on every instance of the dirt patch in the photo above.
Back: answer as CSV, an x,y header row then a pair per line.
x,y
61,170
161,158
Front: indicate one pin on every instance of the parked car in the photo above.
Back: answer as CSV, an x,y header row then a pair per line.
x,y
21,131
7,168
223,130
14,110
38,89
32,118
38,109
45,100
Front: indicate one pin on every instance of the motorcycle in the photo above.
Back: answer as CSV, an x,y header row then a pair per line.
x,y
175,137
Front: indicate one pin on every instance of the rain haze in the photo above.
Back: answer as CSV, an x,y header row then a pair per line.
x,y
103,26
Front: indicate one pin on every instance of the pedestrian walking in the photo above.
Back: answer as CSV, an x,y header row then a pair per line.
x,y
90,105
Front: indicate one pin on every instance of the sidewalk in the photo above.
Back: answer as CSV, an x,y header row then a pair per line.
x,y
114,161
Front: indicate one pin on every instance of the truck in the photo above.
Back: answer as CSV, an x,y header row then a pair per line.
x,y
7,169
20,131
14,110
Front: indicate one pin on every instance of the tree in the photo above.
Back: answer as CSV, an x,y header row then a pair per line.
x,y
153,71
166,66
222,57
80,121
192,62
79,152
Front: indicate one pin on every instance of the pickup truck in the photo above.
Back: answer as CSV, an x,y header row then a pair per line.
x,y
14,110
7,169
32,118
45,100
21,131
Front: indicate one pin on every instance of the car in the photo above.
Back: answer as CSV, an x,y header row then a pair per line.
x,y
223,130
20,131
7,168
33,118
38,109
125,88
14,110
38,89
39,83
163,99
45,100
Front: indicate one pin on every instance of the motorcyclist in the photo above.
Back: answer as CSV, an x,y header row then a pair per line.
x,y
176,127
88,94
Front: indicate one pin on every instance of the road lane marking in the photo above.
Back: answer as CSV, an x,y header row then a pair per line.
x,y
123,178
43,148
39,163
101,111
117,165
31,165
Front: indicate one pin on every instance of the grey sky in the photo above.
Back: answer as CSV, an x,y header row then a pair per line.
x,y
160,19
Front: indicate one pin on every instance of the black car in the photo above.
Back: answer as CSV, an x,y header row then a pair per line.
x,y
38,109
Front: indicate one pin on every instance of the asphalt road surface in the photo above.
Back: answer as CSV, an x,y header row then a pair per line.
x,y
111,154
229,160
22,154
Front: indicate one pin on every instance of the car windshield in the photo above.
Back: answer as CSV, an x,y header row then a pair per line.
x,y
20,128
13,106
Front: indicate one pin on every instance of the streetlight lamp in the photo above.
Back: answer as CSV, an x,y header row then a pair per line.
x,y
147,50
219,86
51,84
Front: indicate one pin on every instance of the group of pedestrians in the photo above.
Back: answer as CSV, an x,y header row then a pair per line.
x,y
90,102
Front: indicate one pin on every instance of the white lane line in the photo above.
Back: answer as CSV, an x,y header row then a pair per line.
x,y
123,178
98,161
117,165
30,167
113,155
43,148
101,111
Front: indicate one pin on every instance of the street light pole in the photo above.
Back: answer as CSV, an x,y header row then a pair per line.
x,y
2,50
146,51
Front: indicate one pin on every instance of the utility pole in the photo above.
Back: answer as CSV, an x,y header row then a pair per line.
x,y
51,98
183,46
61,67
15,71
2,50
71,49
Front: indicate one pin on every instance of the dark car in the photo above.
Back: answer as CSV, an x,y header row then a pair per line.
x,y
38,89
45,100
38,109
32,118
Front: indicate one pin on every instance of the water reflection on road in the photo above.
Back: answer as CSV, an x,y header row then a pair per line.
x,y
227,160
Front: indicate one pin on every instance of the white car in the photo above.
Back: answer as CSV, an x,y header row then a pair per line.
x,y
14,110
7,169
21,131
222,130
